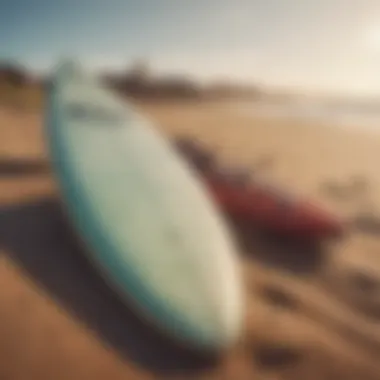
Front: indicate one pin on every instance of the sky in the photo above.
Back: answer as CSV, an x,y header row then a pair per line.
x,y
328,46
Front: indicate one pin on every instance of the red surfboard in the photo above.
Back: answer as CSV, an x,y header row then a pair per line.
x,y
263,205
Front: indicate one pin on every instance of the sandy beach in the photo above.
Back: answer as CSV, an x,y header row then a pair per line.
x,y
312,314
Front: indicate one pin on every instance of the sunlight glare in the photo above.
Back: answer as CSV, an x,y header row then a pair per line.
x,y
372,38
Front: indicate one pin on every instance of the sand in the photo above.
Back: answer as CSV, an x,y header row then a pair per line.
x,y
313,312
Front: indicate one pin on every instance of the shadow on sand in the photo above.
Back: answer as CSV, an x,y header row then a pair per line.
x,y
12,168
367,223
300,257
37,237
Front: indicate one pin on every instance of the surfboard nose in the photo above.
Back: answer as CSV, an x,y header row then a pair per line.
x,y
229,314
228,324
220,332
225,309
212,320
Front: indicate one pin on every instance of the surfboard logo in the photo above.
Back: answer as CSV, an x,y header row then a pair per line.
x,y
90,113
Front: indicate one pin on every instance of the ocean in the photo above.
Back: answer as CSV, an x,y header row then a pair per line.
x,y
345,115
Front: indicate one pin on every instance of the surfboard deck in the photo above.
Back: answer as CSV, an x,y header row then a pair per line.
x,y
150,226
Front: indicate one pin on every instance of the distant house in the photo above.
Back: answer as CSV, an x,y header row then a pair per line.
x,y
177,86
159,88
137,81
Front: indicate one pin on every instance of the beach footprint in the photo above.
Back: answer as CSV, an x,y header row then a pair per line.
x,y
277,297
276,356
353,276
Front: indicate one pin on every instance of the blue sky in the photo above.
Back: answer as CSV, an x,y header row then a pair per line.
x,y
319,45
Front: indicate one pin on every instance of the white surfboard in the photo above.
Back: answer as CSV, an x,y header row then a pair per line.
x,y
149,224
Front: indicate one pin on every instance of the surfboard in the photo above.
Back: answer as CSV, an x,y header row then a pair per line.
x,y
149,225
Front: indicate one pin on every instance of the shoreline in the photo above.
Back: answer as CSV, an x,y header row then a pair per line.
x,y
314,113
